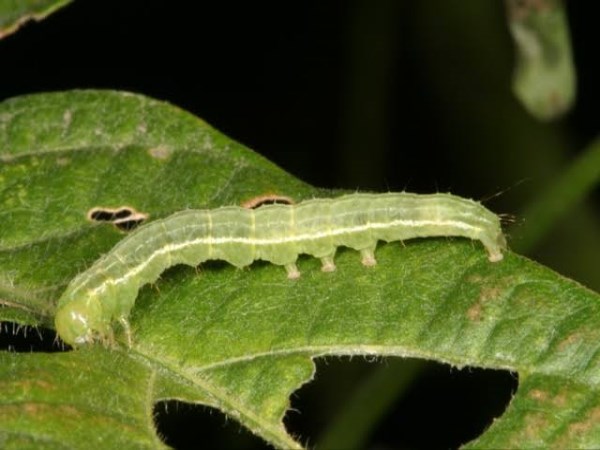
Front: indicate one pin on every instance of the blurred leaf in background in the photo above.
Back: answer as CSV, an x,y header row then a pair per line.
x,y
544,77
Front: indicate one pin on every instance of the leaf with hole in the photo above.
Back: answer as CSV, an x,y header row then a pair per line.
x,y
243,340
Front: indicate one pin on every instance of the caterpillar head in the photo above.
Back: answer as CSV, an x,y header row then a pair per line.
x,y
81,321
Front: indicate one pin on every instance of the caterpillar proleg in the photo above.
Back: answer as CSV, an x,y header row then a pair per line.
x,y
106,292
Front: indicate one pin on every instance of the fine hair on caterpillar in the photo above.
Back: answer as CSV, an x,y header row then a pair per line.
x,y
106,292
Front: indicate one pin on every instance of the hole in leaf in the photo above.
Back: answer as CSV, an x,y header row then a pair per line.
x,y
124,218
429,405
27,339
129,224
186,426
109,215
267,199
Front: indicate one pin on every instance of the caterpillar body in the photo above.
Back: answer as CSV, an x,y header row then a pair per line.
x,y
106,292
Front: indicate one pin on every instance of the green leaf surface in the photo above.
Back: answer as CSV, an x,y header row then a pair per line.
x,y
243,340
14,13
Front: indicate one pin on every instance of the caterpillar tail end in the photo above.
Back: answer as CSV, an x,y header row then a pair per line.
x,y
495,257
496,248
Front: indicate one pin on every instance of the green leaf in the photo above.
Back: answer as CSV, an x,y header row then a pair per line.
x,y
14,13
243,340
44,405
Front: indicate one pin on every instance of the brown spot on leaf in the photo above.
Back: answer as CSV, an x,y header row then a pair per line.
x,y
474,312
558,400
591,421
28,385
37,409
31,408
161,152
571,339
535,424
539,395
475,279
486,294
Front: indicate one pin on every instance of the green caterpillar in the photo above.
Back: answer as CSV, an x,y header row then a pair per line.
x,y
106,292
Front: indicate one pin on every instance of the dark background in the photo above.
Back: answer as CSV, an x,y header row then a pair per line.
x,y
370,95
